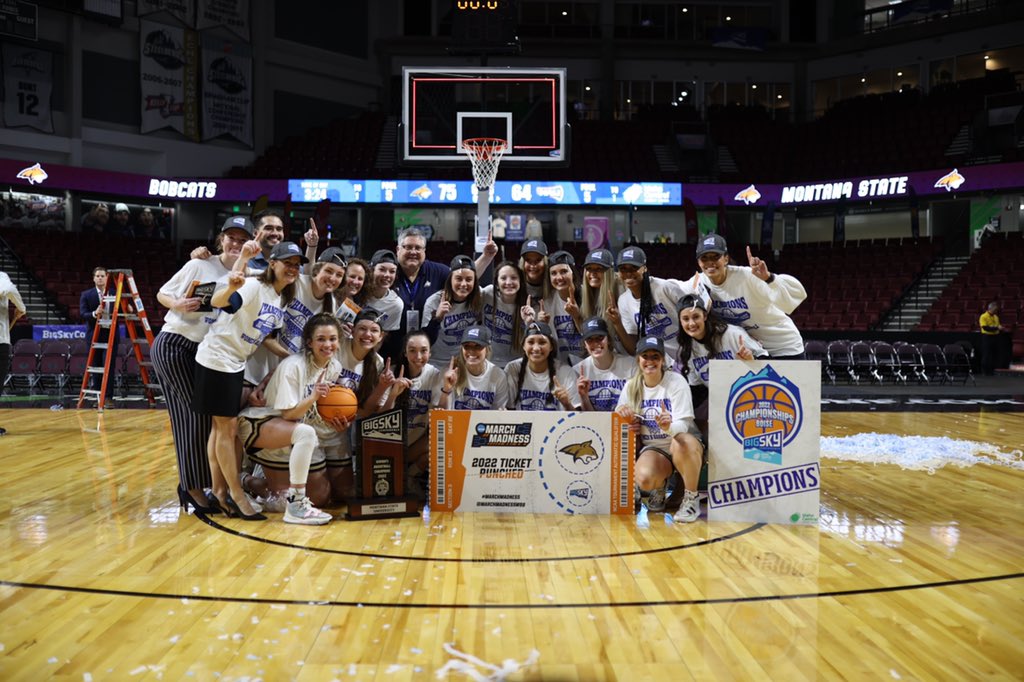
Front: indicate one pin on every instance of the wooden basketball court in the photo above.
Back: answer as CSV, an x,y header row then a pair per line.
x,y
909,575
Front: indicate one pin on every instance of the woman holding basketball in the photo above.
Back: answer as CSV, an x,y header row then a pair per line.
x,y
537,380
449,312
288,437
369,377
251,309
658,403
471,381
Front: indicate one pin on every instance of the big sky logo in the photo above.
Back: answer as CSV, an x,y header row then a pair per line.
x,y
765,414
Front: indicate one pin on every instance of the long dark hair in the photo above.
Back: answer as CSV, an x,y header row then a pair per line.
x,y
329,302
714,328
552,366
517,322
268,277
371,373
646,303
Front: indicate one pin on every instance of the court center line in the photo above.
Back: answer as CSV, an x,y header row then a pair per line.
x,y
582,605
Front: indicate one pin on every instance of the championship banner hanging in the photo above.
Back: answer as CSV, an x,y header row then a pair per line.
x,y
168,66
533,462
182,10
28,88
227,89
232,14
764,423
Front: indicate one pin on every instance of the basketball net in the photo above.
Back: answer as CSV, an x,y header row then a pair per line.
x,y
484,154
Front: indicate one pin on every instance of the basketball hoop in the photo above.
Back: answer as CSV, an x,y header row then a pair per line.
x,y
484,153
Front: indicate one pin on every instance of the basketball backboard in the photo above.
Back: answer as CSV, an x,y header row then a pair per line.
x,y
524,106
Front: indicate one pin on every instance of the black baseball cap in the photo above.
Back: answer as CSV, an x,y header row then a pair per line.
x,y
595,326
562,258
632,255
534,246
540,328
650,343
384,256
283,250
602,257
237,222
711,243
477,334
462,262
333,255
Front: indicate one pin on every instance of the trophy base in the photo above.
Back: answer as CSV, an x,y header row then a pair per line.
x,y
364,508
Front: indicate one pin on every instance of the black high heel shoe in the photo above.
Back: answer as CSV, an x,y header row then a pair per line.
x,y
186,501
233,511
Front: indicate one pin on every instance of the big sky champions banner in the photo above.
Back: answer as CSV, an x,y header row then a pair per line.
x,y
182,10
28,87
227,89
168,66
232,14
536,462
764,424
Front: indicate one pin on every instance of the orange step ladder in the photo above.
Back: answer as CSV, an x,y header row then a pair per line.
x,y
106,326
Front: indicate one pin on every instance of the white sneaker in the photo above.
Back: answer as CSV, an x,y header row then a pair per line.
x,y
300,510
689,510
656,498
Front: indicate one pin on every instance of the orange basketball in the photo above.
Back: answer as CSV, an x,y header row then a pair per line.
x,y
339,402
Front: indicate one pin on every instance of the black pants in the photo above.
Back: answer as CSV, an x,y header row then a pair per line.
x,y
989,350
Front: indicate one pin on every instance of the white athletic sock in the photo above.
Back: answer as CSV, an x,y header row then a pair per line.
x,y
304,441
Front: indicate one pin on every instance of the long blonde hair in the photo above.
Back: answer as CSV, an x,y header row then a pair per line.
x,y
634,388
460,363
595,302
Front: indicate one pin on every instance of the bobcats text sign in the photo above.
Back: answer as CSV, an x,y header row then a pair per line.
x,y
538,462
764,422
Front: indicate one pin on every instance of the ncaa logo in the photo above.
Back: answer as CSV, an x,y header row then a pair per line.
x,y
764,413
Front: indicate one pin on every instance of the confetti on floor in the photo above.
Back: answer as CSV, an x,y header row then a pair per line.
x,y
923,453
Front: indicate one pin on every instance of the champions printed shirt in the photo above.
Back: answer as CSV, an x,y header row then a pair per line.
x,y
761,308
390,308
236,335
489,391
569,342
424,394
193,326
501,321
304,306
663,321
537,393
673,393
700,359
449,330
607,384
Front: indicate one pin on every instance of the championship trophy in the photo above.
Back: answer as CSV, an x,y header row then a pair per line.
x,y
380,470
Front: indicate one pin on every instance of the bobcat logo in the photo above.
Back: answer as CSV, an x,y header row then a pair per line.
x,y
951,181
581,452
34,174
748,196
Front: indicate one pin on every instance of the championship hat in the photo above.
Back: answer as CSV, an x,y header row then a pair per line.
x,y
595,326
477,334
561,258
711,243
237,222
534,246
332,255
602,257
632,255
283,250
462,262
383,256
650,343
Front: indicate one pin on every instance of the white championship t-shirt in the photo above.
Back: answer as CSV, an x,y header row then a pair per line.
x,y
663,321
193,326
236,336
673,394
449,330
700,362
489,391
537,392
607,384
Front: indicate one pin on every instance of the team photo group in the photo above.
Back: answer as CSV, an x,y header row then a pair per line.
x,y
259,331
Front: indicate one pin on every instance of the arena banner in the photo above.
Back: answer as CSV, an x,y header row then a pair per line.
x,y
227,89
28,87
182,10
232,14
764,422
168,69
534,462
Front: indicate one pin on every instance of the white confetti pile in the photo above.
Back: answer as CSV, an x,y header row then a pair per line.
x,y
469,664
922,453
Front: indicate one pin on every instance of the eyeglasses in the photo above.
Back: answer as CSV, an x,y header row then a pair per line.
x,y
415,247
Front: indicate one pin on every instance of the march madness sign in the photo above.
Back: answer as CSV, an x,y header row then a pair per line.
x,y
764,422
536,462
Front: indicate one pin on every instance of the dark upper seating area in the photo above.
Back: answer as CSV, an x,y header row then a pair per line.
x,y
995,272
62,262
895,131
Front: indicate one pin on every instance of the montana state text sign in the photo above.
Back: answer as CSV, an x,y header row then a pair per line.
x,y
536,462
764,421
